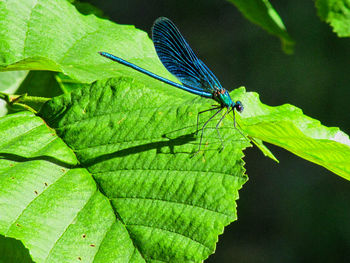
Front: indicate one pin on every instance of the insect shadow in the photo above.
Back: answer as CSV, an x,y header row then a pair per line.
x,y
171,143
20,159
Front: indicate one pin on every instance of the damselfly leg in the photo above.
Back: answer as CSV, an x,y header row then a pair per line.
x,y
199,113
205,124
217,128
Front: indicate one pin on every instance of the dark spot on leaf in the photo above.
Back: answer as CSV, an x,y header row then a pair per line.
x,y
17,224
83,235
45,184
36,192
79,258
92,245
63,170
12,178
11,164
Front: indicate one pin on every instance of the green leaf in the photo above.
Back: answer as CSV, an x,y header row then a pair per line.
x,y
169,205
67,84
34,36
262,13
337,14
38,84
286,126
263,148
139,145
55,210
11,80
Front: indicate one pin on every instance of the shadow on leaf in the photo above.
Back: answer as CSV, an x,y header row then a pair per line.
x,y
18,158
12,250
171,143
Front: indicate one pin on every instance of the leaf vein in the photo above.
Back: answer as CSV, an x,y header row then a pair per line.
x,y
172,170
173,202
173,232
26,36
16,219
68,225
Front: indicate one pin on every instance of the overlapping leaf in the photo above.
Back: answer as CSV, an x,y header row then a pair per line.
x,y
34,36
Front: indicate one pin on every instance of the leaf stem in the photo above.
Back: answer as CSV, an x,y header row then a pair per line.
x,y
22,100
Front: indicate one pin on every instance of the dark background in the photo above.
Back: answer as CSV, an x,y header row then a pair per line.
x,y
294,211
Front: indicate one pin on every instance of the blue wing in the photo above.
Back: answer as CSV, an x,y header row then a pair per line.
x,y
179,59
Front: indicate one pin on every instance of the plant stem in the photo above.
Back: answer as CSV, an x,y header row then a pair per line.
x,y
22,100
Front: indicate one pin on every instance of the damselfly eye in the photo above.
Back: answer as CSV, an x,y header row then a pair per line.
x,y
239,106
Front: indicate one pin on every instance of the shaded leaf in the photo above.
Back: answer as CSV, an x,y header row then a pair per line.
x,y
41,84
87,9
263,14
12,250
37,83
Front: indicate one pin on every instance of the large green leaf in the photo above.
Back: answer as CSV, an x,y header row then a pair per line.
x,y
337,14
139,146
262,13
169,205
34,35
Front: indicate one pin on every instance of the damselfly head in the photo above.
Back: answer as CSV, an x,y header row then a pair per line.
x,y
238,106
